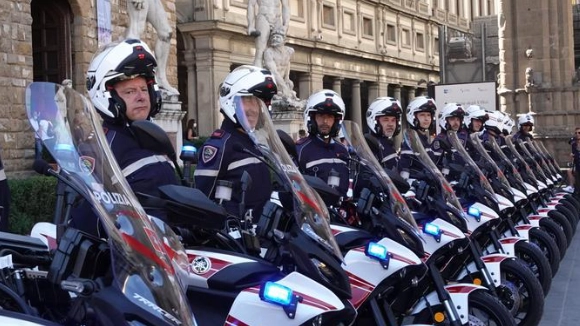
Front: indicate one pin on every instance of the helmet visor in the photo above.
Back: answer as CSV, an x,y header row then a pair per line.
x,y
248,111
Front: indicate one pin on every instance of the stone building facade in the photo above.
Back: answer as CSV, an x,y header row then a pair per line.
x,y
51,41
361,49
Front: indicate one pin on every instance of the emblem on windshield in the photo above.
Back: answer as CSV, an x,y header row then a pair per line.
x,y
200,265
87,164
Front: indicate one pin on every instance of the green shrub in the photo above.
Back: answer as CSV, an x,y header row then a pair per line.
x,y
32,200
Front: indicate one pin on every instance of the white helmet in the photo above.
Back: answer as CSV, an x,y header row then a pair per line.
x,y
420,104
508,124
324,101
116,62
451,110
526,119
383,106
474,112
245,81
494,122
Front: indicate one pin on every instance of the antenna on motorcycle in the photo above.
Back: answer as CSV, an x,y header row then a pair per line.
x,y
154,138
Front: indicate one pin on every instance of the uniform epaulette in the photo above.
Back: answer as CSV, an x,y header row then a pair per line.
x,y
218,134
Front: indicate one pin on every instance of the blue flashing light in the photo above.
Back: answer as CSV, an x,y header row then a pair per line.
x,y
432,229
474,211
377,251
277,294
188,148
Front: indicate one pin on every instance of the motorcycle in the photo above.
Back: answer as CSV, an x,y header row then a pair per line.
x,y
125,277
435,202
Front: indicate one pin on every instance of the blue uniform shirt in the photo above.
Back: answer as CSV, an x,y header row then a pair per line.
x,y
386,155
218,160
407,156
317,158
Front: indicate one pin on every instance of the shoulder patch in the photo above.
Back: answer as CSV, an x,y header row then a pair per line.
x,y
436,145
218,134
208,153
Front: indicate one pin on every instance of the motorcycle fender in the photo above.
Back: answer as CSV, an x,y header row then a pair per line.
x,y
249,309
459,294
450,233
46,232
524,230
535,219
508,245
492,264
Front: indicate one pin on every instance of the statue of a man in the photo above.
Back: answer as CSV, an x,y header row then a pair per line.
x,y
270,15
152,11
277,59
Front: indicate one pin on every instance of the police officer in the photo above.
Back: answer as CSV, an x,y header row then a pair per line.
x,y
319,154
475,117
443,153
420,117
230,151
525,127
122,87
384,122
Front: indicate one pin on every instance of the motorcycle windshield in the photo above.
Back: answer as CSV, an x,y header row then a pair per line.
x,y
357,143
412,138
141,268
309,210
543,159
475,141
516,154
509,166
534,164
460,150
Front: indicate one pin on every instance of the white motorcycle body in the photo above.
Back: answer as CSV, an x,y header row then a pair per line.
x,y
366,273
248,308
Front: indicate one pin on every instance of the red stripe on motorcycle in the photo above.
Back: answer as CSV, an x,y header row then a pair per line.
x,y
544,210
459,289
509,240
534,217
524,227
234,322
493,259
360,289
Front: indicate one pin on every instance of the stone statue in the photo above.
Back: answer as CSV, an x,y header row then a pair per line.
x,y
152,11
271,15
529,77
277,59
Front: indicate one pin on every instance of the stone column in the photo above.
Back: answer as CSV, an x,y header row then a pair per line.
x,y
373,91
356,115
336,85
304,85
411,93
397,91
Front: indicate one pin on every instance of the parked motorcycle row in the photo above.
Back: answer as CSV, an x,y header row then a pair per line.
x,y
481,250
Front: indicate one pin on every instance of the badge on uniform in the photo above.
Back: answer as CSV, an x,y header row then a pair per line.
x,y
436,145
208,153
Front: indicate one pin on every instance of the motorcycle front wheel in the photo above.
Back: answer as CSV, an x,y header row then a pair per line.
x,y
538,263
548,246
485,309
521,293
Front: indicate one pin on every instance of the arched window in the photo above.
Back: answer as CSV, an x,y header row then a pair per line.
x,y
51,40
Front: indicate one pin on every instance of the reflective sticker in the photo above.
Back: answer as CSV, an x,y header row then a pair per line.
x,y
200,265
208,153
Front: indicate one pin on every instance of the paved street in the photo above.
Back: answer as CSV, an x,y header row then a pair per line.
x,y
562,307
